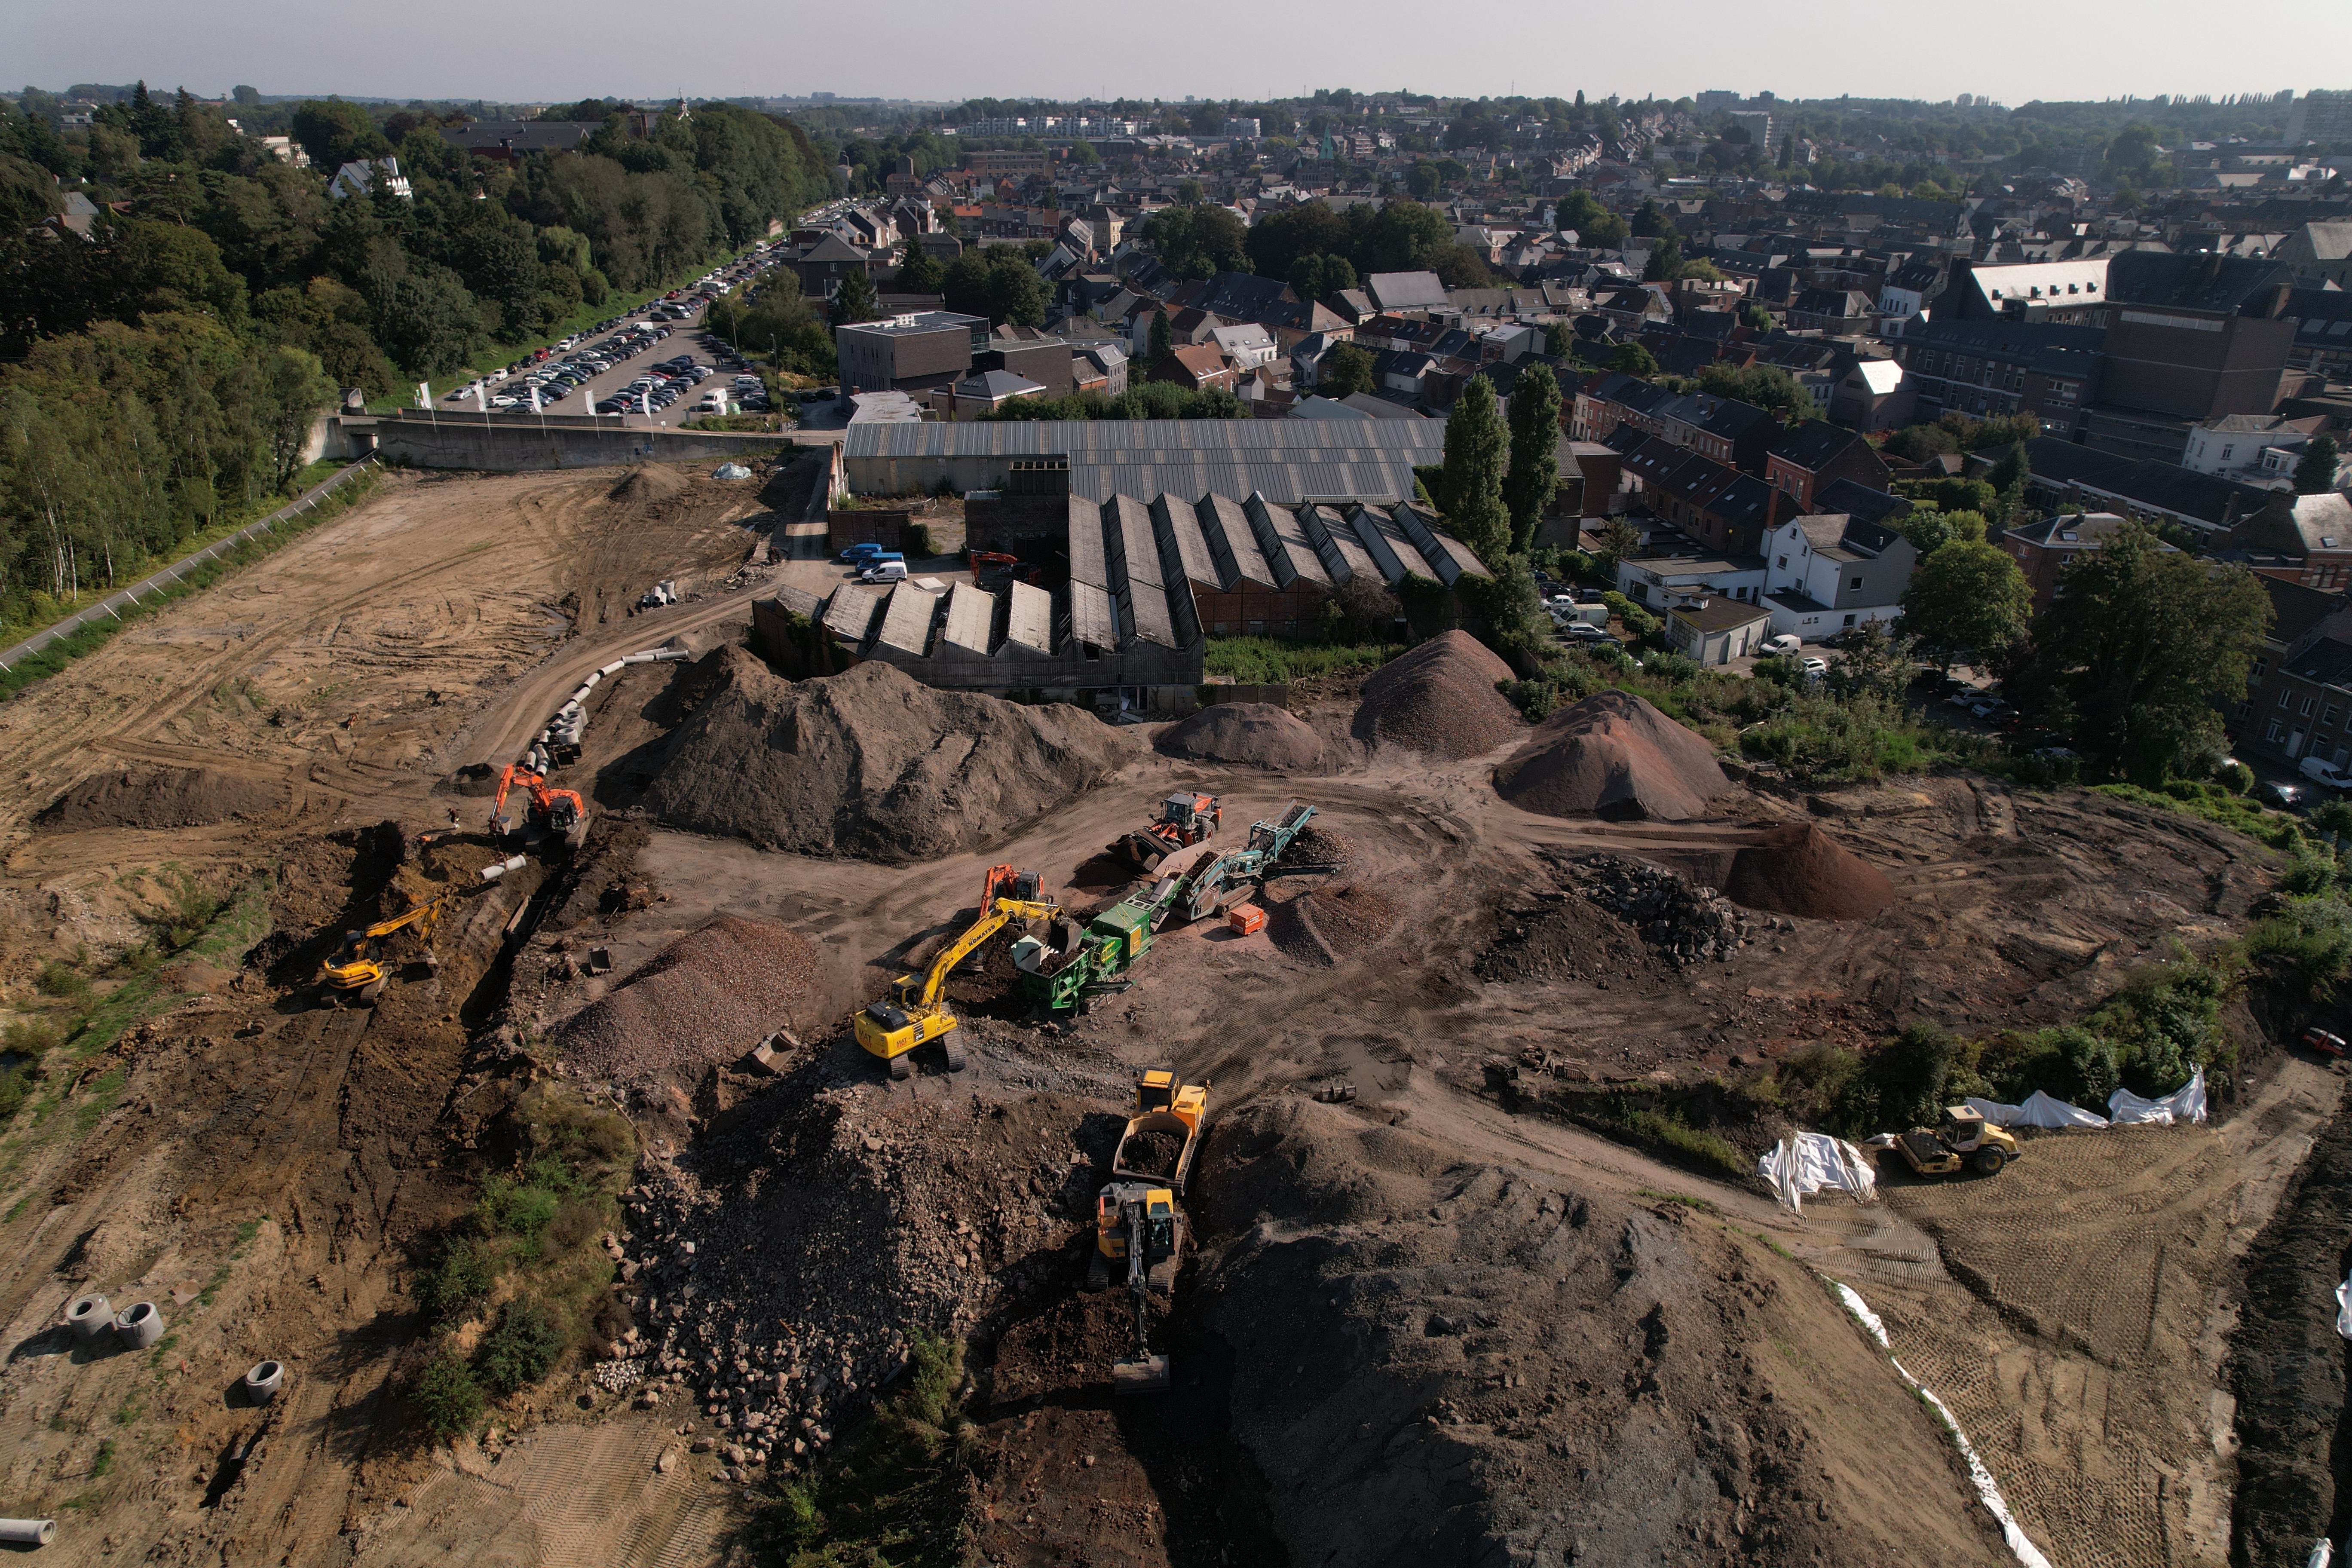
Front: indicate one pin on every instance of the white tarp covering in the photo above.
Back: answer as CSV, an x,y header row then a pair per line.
x,y
2321,1555
2186,1103
2038,1110
1809,1162
2344,1309
730,471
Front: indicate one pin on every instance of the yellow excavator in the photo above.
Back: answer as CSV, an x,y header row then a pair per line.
x,y
1138,1226
914,1013
357,974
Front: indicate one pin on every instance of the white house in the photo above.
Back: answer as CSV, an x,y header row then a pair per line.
x,y
1663,582
2255,448
1248,346
1831,573
356,179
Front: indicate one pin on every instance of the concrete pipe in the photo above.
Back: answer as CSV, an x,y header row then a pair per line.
x,y
613,667
28,1532
637,659
262,1384
139,1326
590,683
492,873
671,655
89,1316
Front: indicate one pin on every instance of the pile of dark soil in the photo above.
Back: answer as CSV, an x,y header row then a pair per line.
x,y
1565,938
1152,1154
162,797
1614,755
1316,845
646,485
2287,1362
1334,923
706,998
1257,734
1439,699
1800,870
1491,1365
869,763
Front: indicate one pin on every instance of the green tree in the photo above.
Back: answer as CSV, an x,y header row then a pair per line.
x,y
1618,539
2138,642
1163,339
1665,263
291,392
1345,370
1533,478
519,1351
1930,529
1197,240
920,273
1967,597
996,281
447,1396
1633,359
854,300
1757,317
1422,180
1083,155
334,133
1471,483
2315,473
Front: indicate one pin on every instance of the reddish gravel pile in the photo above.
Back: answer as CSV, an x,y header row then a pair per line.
x,y
706,998
1440,700
1333,924
1257,734
1800,870
1613,755
162,797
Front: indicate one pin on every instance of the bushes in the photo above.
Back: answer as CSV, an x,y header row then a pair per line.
x,y
2306,949
448,1399
463,1276
1821,740
1267,661
2213,803
519,1351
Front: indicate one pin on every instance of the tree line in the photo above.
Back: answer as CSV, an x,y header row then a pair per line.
x,y
168,364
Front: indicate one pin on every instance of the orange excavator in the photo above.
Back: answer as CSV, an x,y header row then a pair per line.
x,y
1183,820
552,811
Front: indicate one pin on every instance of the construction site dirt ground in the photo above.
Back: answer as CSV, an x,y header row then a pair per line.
x,y
267,1170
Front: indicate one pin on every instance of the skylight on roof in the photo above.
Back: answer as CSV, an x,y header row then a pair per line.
x,y
2328,542
2068,535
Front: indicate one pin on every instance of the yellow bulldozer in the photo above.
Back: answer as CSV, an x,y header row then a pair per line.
x,y
1138,1226
1963,1138
916,1011
356,973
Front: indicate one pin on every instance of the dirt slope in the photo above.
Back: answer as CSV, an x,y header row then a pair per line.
x,y
1612,753
869,763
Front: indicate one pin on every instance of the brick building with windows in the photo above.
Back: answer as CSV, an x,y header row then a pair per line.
x,y
1989,367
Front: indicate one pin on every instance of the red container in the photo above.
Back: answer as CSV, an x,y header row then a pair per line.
x,y
1246,919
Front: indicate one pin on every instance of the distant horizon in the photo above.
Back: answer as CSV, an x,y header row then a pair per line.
x,y
2014,51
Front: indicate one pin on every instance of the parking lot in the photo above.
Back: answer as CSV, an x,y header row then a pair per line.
x,y
658,352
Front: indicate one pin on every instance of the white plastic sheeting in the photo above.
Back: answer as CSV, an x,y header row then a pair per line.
x,y
2186,1103
2038,1110
1988,1490
730,471
2322,1554
2344,1309
1809,1162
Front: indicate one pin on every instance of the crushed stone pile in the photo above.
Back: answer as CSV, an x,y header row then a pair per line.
x,y
1332,924
1499,1366
869,763
1563,937
1316,845
162,797
1616,755
1800,870
1258,734
782,1264
706,998
1440,700
1685,925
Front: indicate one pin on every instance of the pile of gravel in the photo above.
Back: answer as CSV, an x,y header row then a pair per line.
x,y
1256,735
869,763
1800,870
1684,924
1440,700
1615,755
707,998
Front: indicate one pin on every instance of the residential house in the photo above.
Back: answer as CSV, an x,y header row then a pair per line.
x,y
1399,292
1840,311
1668,578
2042,550
2300,539
2300,618
2318,254
2259,449
1247,345
821,267
2298,707
1980,368
357,179
1199,366
1827,573
1872,396
1804,460
984,392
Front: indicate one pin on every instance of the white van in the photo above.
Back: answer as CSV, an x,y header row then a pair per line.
x,y
2319,770
884,572
1784,645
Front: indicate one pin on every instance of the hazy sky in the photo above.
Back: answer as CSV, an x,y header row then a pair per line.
x,y
2011,50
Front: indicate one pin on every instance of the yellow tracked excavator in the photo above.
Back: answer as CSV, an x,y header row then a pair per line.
x,y
357,971
1138,1226
916,1012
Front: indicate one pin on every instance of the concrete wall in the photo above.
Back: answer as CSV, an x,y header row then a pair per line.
x,y
507,444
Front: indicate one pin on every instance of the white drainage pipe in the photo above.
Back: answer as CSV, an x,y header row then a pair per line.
x,y
262,1384
28,1532
139,1326
492,873
89,1316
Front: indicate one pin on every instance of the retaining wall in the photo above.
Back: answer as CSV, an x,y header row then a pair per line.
x,y
506,444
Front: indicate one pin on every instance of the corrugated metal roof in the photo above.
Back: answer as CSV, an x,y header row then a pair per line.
x,y
1148,614
970,616
1178,529
1089,562
1139,548
1290,460
1093,618
851,616
1031,623
907,620
1286,535
1227,530
1344,555
1378,547
1408,554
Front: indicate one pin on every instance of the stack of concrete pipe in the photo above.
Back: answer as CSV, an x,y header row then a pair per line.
x,y
562,733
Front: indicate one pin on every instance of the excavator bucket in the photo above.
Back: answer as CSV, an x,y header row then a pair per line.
x,y
1146,1375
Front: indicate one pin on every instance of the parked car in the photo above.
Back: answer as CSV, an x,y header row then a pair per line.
x,y
1815,668
2320,771
1786,643
2285,796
